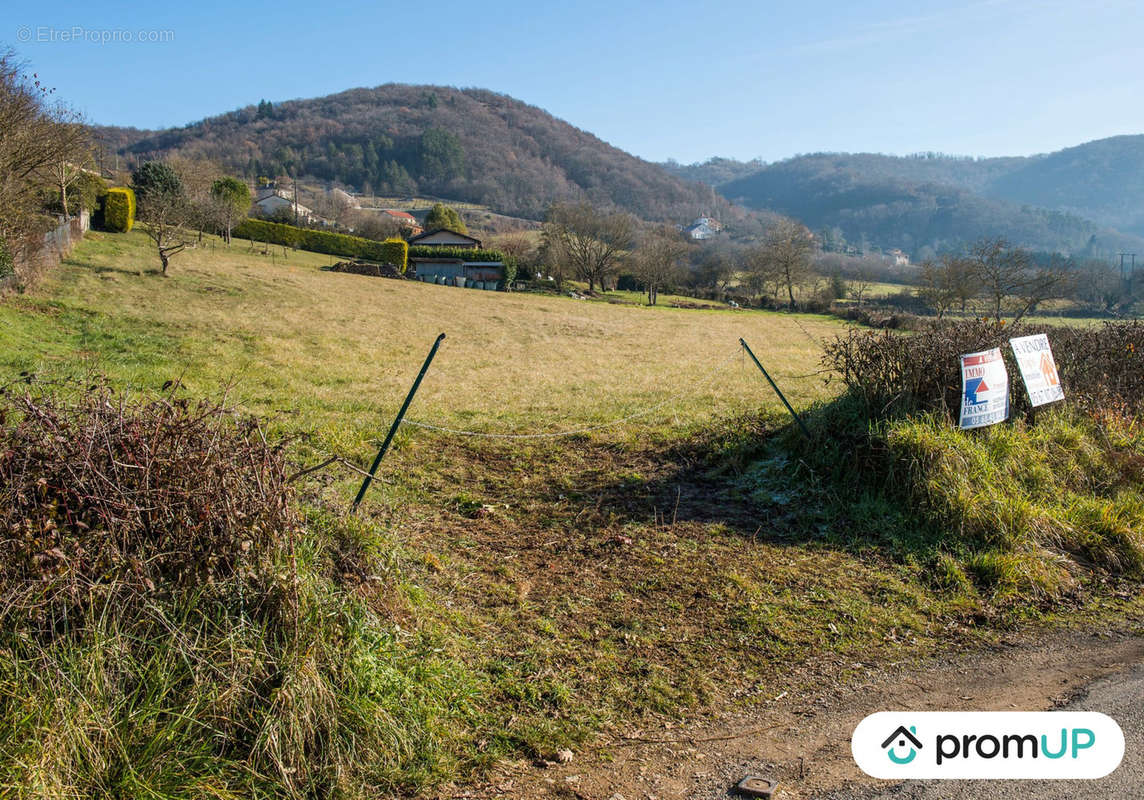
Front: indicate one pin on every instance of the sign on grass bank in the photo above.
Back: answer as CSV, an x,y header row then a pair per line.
x,y
1035,358
984,389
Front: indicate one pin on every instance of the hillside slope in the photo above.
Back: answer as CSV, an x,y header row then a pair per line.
x,y
1086,199
933,203
471,145
1101,180
885,209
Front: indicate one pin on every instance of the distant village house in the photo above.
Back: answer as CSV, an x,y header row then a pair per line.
x,y
703,228
405,219
272,201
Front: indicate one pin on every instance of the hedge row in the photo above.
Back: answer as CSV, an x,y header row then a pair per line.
x,y
429,251
119,209
391,251
1102,368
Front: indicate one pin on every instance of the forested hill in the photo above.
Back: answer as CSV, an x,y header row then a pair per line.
x,y
863,206
1101,180
1086,199
471,145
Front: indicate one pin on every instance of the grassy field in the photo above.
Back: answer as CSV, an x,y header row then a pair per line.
x,y
538,593
338,352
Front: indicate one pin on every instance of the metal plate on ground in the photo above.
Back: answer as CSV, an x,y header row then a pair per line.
x,y
754,786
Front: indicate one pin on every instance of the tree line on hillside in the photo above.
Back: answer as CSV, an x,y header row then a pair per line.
x,y
472,145
1067,201
923,219
788,268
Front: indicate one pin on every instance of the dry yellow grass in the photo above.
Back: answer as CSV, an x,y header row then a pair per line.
x,y
340,350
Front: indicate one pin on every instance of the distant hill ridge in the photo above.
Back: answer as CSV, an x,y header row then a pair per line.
x,y
472,145
1084,198
478,146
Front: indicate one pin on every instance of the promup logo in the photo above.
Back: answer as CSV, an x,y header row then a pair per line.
x,y
902,735
988,745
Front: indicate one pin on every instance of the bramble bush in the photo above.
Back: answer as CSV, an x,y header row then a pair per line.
x,y
1017,515
170,627
895,374
105,502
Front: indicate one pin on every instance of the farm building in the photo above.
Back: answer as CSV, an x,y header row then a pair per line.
x,y
443,237
458,272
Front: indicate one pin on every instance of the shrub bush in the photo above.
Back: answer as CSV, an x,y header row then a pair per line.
x,y
1101,367
396,252
428,251
105,503
119,209
163,633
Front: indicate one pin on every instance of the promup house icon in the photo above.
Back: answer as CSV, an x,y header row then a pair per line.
x,y
902,734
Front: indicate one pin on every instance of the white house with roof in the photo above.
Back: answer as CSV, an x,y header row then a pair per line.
x,y
899,258
703,228
270,201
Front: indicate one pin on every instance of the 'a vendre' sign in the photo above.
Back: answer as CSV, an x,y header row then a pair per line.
x,y
1038,369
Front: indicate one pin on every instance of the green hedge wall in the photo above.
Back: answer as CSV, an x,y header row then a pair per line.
x,y
396,252
428,251
391,251
119,209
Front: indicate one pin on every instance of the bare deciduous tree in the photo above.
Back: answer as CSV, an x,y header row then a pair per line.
x,y
230,203
590,242
658,262
944,282
74,156
36,137
198,176
372,224
784,258
166,215
858,288
520,251
1010,280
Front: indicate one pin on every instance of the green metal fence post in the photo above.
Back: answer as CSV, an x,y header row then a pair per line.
x,y
396,423
775,386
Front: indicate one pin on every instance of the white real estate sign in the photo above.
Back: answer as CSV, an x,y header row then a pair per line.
x,y
984,389
1035,358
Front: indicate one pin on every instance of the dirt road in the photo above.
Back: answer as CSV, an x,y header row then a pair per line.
x,y
1120,695
803,739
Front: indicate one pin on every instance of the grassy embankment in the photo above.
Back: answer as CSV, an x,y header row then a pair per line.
x,y
516,596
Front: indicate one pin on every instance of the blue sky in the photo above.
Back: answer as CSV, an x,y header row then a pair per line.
x,y
665,79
